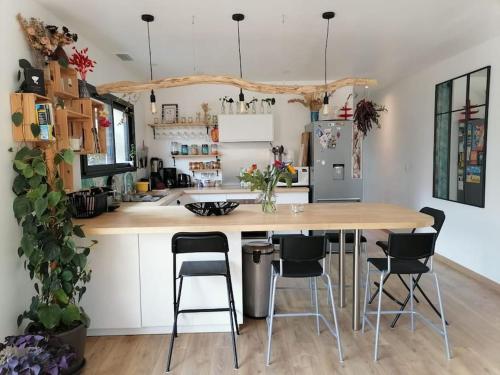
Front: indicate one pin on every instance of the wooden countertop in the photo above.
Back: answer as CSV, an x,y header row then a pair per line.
x,y
319,216
239,190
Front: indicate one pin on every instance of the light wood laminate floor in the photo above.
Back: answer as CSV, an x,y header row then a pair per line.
x,y
472,309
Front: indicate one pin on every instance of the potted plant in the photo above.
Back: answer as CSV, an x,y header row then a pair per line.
x,y
266,181
35,355
311,101
56,264
366,114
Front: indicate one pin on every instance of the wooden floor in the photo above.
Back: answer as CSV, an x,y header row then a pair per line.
x,y
472,308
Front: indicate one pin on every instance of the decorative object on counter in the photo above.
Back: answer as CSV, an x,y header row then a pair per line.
x,y
326,16
36,354
55,263
142,186
33,81
366,114
252,105
46,40
270,102
311,101
211,208
148,18
345,110
169,113
83,64
266,181
229,101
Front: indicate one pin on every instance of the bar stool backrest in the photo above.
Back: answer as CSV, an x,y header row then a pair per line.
x,y
438,216
302,248
202,242
411,246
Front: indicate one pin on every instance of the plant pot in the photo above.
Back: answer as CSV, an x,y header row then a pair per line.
x,y
83,90
314,116
75,338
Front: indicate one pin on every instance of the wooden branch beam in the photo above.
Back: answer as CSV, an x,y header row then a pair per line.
x,y
131,86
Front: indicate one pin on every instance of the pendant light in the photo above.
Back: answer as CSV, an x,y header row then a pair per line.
x,y
242,108
152,98
327,16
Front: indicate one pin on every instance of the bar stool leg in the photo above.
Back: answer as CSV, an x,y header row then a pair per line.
x,y
412,320
233,337
337,330
443,319
233,306
271,316
316,304
377,329
367,292
176,314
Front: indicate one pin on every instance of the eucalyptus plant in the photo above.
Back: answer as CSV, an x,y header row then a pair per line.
x,y
56,264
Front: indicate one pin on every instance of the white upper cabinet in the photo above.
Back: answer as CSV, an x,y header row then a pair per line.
x,y
246,128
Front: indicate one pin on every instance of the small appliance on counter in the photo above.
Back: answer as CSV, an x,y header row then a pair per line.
x,y
183,180
155,178
301,178
169,176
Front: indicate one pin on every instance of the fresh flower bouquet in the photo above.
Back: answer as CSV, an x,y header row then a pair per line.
x,y
34,355
266,181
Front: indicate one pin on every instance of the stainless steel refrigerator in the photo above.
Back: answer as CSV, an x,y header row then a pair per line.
x,y
331,163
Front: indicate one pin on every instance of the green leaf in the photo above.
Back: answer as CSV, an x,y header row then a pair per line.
x,y
77,230
80,260
35,130
67,254
19,185
23,153
40,206
28,171
21,165
68,288
61,296
51,250
21,206
68,228
17,118
67,275
40,168
58,159
68,156
53,198
49,315
28,244
35,181
59,184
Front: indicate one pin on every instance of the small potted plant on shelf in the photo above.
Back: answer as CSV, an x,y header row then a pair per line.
x,y
35,355
83,64
265,181
311,101
55,262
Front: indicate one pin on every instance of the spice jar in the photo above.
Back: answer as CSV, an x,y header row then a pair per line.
x,y
194,150
214,149
204,149
184,150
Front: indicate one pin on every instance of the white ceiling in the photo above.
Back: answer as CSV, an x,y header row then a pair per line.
x,y
382,39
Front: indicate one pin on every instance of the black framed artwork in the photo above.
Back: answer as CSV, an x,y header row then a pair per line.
x,y
460,138
169,113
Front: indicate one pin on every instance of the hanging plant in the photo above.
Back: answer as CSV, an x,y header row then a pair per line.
x,y
366,114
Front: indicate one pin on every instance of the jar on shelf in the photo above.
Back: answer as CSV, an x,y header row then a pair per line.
x,y
184,150
214,134
174,148
204,149
194,150
214,149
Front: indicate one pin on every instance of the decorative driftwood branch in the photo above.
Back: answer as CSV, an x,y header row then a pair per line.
x,y
131,86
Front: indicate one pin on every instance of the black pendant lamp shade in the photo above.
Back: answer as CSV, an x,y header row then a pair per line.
x,y
327,16
238,17
148,18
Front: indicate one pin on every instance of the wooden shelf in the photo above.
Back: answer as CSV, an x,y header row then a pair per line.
x,y
195,156
63,82
180,125
65,95
74,115
205,170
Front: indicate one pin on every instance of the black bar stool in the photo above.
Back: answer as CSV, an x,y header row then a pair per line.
x,y
205,242
300,258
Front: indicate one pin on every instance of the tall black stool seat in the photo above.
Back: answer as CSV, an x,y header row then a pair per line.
x,y
298,269
399,266
204,242
349,237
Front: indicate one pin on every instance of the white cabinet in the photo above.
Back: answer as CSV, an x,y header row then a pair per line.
x,y
287,198
246,128
189,198
113,299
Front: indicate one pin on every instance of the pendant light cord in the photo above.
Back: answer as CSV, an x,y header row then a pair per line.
x,y
239,49
149,44
326,45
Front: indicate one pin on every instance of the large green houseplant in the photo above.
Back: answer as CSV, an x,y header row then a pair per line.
x,y
55,262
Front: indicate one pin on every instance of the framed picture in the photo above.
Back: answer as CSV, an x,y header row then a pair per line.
x,y
169,113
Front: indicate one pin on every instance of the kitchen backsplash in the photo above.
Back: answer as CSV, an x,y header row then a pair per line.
x,y
124,181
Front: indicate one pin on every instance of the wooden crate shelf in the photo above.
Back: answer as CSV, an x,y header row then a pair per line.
x,y
63,82
24,103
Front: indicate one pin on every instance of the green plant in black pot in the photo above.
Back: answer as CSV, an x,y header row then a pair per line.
x,y
56,264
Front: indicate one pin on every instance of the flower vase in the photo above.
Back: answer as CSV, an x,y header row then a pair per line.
x,y
268,201
83,90
314,116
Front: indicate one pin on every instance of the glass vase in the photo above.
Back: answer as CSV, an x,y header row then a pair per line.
x,y
268,201
83,90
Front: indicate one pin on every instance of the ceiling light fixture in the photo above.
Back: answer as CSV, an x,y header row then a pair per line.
x,y
149,18
327,16
242,106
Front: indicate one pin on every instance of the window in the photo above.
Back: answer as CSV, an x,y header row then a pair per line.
x,y
120,140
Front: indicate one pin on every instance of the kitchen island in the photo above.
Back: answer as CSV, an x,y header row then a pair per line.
x,y
131,289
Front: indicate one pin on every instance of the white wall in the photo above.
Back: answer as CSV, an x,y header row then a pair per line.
x,y
399,168
289,124
15,287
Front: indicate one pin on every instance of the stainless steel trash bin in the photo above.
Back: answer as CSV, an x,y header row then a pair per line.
x,y
257,258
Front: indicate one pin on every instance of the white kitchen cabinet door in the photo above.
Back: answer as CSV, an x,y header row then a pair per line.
x,y
207,197
113,299
237,196
246,128
287,198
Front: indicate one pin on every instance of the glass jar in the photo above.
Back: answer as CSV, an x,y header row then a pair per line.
x,y
184,150
174,148
204,149
214,149
194,150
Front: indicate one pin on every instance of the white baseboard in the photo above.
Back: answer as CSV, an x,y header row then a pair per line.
x,y
158,330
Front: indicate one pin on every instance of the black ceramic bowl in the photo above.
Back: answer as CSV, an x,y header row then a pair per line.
x,y
211,208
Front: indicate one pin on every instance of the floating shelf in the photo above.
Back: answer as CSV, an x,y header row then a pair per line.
x,y
73,115
180,125
205,171
195,156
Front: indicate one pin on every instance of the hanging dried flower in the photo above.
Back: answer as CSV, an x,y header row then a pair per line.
x,y
366,113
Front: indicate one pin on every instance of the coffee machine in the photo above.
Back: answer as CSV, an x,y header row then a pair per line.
x,y
169,176
183,180
155,178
